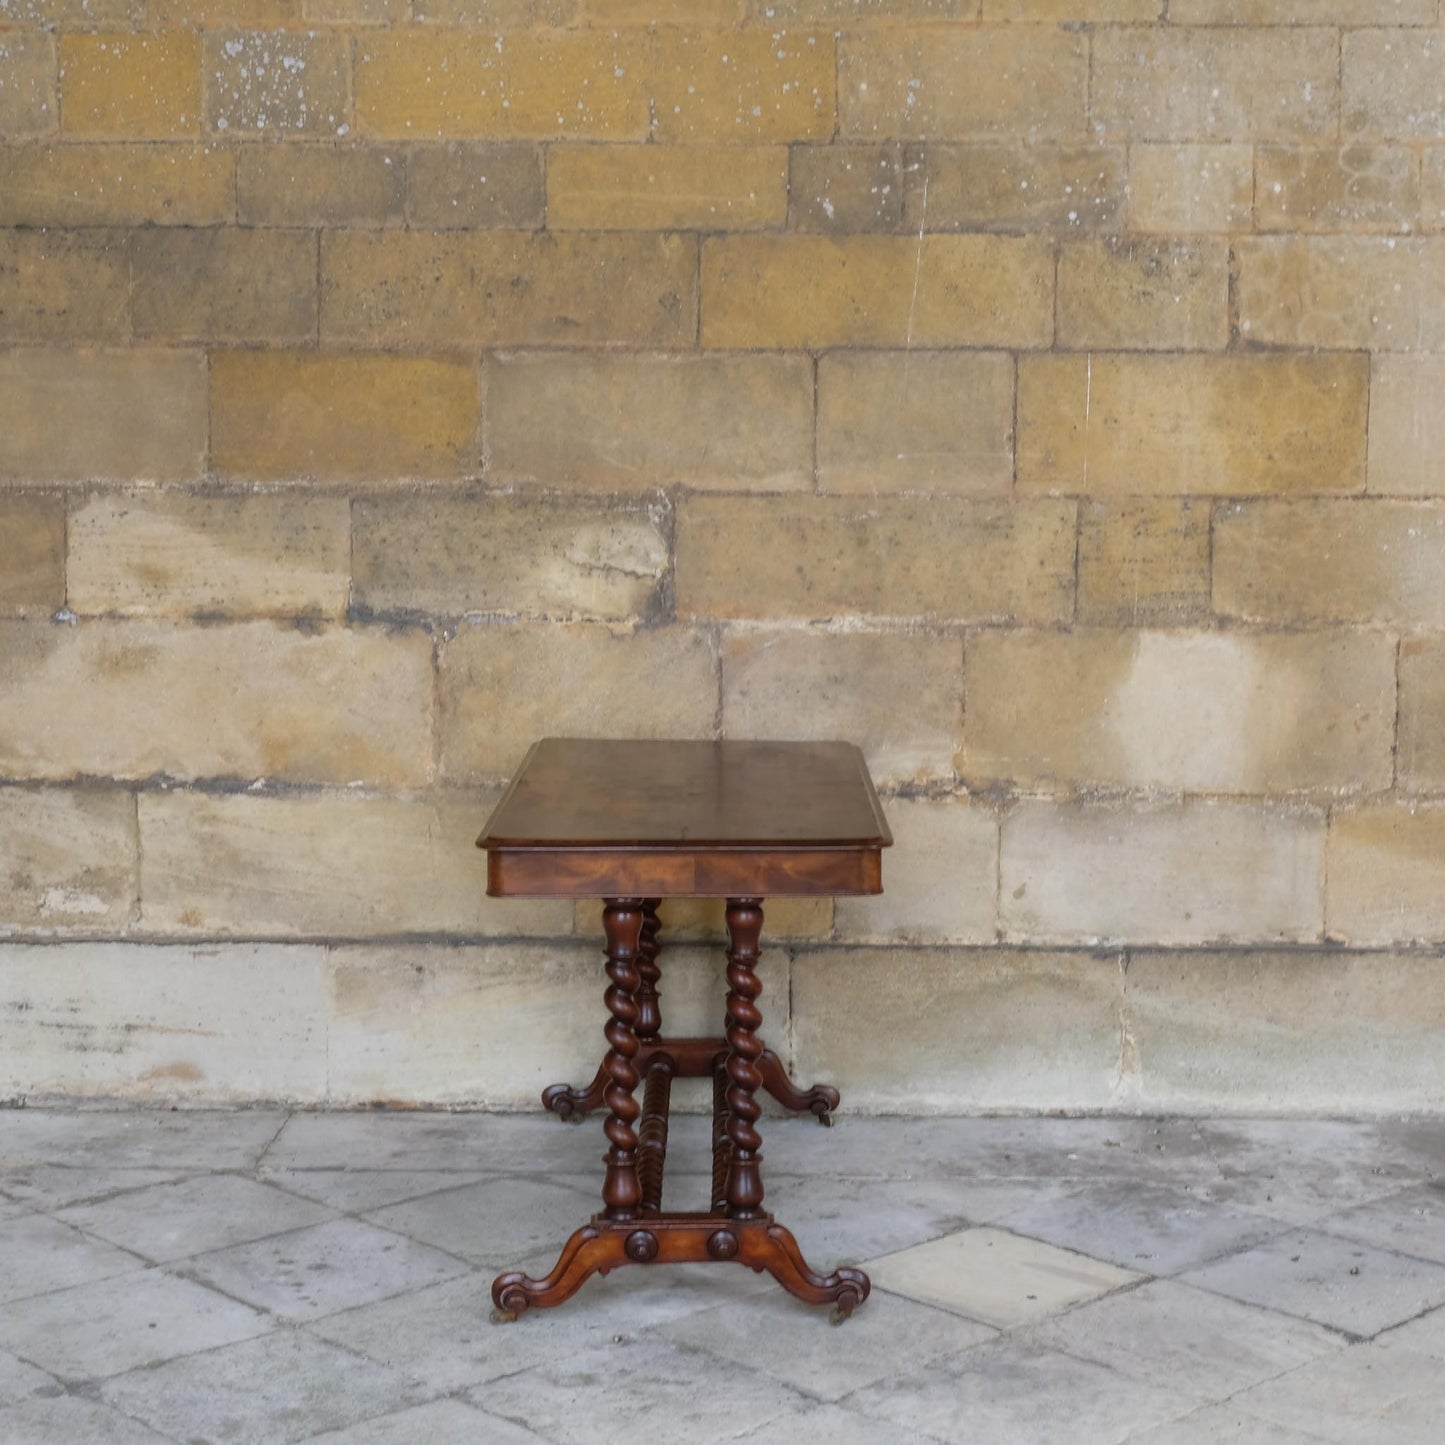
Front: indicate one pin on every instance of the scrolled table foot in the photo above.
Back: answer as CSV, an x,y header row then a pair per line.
x,y
820,1100
571,1104
588,1252
845,1289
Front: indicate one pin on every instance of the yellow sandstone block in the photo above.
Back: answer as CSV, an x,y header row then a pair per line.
x,y
419,84
143,86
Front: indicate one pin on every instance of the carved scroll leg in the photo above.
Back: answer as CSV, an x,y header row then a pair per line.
x,y
744,1174
821,1099
571,1104
845,1289
590,1251
621,1190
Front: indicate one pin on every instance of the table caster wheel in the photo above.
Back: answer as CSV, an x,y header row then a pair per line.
x,y
503,1317
826,1120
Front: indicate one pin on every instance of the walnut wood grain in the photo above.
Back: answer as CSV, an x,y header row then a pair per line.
x,y
590,818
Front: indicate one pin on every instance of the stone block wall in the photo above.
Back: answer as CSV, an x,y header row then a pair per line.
x,y
1047,394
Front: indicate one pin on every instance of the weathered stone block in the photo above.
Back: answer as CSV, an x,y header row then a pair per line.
x,y
64,286
99,415
964,84
666,188
956,559
416,84
762,84
1391,83
1432,188
147,87
844,188
507,288
1281,1033
119,184
1331,560
1143,562
1303,12
357,12
852,12
518,555
32,555
665,12
817,291
1201,425
343,417
171,555
324,866
601,420
1359,188
1181,874
275,83
147,1023
1407,425
1375,293
1075,10
81,14
27,84
426,1024
892,421
1200,712
504,686
201,13
940,878
1385,879
497,14
963,1014
795,684
319,185
248,700
1005,186
1420,756
1179,84
67,860
466,184
1150,295
1191,188
224,285
432,1024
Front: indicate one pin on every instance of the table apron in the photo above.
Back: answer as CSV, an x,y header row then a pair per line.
x,y
682,873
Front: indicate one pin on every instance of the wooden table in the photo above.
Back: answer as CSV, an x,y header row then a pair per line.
x,y
634,823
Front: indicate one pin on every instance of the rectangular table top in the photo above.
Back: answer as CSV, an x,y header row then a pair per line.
x,y
605,817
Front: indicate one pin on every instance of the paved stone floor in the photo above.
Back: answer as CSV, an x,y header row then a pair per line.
x,y
264,1277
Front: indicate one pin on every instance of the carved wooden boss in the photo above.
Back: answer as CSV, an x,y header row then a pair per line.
x,y
634,823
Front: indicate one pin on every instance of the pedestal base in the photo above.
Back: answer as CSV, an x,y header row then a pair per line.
x,y
608,1244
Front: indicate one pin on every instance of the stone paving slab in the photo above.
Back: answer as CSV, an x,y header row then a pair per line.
x,y
999,1278
132,1321
173,1221
278,1390
317,1271
217,1279
1202,1345
1336,1282
39,1254
1013,1393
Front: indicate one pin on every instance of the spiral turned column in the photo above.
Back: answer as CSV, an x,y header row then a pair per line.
x,y
649,974
622,920
744,1179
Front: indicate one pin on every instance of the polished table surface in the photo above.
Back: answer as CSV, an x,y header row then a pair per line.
x,y
588,817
